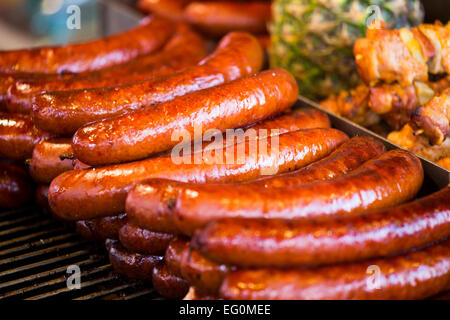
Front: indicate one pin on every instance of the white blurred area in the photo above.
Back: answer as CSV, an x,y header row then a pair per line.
x,y
31,23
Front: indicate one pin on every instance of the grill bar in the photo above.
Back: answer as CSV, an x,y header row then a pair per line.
x,y
36,251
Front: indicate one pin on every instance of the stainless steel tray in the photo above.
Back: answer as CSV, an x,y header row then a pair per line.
x,y
439,175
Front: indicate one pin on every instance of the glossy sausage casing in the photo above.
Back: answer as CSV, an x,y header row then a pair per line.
x,y
347,157
174,253
129,264
416,275
184,49
389,179
147,37
237,55
167,284
159,204
283,243
202,273
101,228
143,241
50,158
85,194
18,136
219,17
142,133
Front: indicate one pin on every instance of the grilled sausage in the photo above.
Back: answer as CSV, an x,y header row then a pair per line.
x,y
41,197
155,204
147,37
389,179
173,254
143,241
416,275
202,273
101,228
167,284
184,49
15,187
85,194
218,18
18,136
237,55
169,9
283,243
347,157
50,158
142,133
131,265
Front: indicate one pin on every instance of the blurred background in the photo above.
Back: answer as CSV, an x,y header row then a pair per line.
x,y
28,23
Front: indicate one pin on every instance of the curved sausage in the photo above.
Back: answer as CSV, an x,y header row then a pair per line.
x,y
167,284
50,158
143,241
237,55
169,9
154,203
147,37
184,49
101,228
196,294
347,157
283,243
173,254
8,79
142,133
90,193
15,187
218,18
415,275
389,179
203,274
18,136
131,265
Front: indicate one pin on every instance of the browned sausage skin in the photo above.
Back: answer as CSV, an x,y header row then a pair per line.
x,y
169,9
173,254
153,204
143,241
184,49
389,179
101,228
41,197
147,37
50,158
202,273
284,243
415,275
131,265
237,55
167,284
18,136
85,194
15,186
347,157
142,133
218,18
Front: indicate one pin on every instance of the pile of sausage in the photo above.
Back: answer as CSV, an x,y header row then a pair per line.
x,y
302,216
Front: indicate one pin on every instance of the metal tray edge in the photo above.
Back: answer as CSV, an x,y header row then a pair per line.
x,y
439,175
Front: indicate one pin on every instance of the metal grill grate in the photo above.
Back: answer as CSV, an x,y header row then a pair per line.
x,y
35,251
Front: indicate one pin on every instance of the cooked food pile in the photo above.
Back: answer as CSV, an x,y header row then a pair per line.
x,y
295,209
406,75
